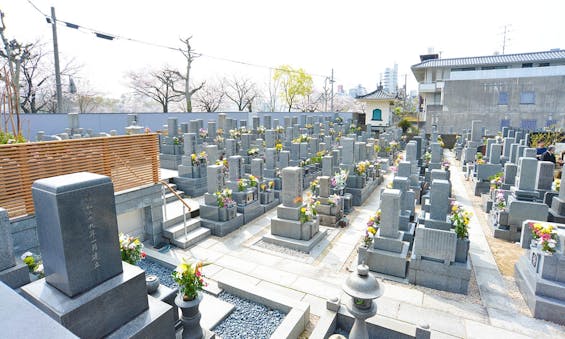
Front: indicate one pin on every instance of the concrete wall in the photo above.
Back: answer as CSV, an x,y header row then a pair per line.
x,y
467,100
105,122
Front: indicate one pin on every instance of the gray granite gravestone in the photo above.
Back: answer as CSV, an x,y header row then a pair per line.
x,y
7,258
87,288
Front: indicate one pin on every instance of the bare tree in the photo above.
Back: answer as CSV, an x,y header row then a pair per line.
x,y
14,53
273,91
37,88
241,92
158,85
210,98
189,90
310,103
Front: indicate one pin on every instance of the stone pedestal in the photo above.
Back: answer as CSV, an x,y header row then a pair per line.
x,y
541,279
13,273
88,314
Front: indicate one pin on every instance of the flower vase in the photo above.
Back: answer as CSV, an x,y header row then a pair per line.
x,y
462,250
223,214
190,318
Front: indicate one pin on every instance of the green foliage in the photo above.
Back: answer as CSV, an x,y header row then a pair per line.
x,y
404,124
9,138
294,83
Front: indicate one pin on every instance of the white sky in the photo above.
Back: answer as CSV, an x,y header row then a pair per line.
x,y
358,38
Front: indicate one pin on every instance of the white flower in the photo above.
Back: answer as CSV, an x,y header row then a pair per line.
x,y
26,254
39,269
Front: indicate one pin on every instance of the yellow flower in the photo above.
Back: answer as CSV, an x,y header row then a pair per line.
x,y
303,210
193,156
372,230
454,208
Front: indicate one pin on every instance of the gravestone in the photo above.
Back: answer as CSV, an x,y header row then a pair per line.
x,y
330,212
389,252
212,130
287,228
267,122
87,288
13,273
557,210
544,176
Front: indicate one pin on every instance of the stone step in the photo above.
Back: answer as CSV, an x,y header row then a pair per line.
x,y
170,197
177,230
192,237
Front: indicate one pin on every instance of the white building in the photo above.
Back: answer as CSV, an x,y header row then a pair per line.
x,y
389,79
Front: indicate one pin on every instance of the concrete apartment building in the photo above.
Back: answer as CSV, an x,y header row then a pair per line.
x,y
525,90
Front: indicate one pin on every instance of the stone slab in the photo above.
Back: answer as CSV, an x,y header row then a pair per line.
x,y
295,244
221,229
7,258
193,187
213,311
155,322
270,205
98,311
20,319
542,307
15,276
452,278
386,262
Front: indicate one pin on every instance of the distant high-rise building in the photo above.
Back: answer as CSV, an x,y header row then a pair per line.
x,y
357,91
389,79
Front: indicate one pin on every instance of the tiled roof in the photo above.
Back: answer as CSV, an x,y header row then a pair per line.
x,y
494,59
378,94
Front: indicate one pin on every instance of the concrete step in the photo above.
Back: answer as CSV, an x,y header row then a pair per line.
x,y
192,237
177,230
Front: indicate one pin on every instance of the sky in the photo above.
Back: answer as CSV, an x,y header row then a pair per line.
x,y
358,39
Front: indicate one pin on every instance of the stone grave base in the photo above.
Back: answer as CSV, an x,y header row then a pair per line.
x,y
15,276
509,233
409,230
221,228
385,262
361,194
194,187
270,205
486,202
295,244
250,211
540,294
481,187
119,305
328,220
429,273
555,217
170,161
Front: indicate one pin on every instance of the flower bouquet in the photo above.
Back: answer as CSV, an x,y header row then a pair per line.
x,y
224,199
34,264
131,249
460,219
190,279
544,236
203,133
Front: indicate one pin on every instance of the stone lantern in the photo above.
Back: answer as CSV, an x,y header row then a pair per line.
x,y
363,288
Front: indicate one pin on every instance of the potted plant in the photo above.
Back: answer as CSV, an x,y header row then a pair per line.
x,y
460,219
190,280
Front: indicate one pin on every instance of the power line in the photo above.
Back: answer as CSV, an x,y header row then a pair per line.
x,y
110,36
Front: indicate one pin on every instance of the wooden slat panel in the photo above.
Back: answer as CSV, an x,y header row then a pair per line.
x,y
130,161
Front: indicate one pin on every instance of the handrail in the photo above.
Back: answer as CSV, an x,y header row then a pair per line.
x,y
176,194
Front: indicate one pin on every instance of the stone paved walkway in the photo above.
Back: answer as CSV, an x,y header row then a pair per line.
x,y
314,278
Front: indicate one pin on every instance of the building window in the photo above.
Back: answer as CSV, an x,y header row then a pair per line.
x,y
377,115
527,98
529,124
550,123
463,69
527,65
504,123
544,64
503,98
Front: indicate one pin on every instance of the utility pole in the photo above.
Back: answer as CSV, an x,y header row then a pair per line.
x,y
57,69
332,83
504,38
